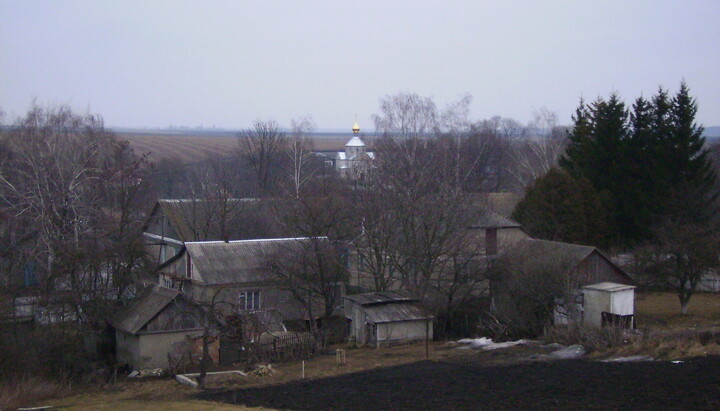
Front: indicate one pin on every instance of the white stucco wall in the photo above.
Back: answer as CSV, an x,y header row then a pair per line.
x,y
595,302
149,350
403,330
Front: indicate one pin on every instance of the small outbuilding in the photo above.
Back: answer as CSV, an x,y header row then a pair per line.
x,y
609,304
385,318
156,323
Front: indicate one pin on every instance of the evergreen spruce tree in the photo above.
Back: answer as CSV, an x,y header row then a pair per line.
x,y
560,207
579,141
648,164
640,165
691,176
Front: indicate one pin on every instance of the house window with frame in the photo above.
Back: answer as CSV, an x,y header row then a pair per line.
x,y
249,300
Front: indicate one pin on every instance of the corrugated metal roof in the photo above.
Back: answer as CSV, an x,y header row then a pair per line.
x,y
383,297
148,303
234,262
402,311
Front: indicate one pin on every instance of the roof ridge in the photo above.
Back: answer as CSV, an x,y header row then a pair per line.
x,y
256,240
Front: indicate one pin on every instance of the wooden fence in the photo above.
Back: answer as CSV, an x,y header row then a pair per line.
x,y
270,347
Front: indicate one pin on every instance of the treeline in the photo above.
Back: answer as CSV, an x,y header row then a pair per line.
x,y
625,172
639,179
71,206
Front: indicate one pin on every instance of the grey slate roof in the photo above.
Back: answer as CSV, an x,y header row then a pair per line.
x,y
382,297
234,262
387,313
388,306
491,219
146,305
566,254
573,253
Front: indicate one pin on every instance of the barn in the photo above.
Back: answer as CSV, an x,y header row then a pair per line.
x,y
533,268
386,318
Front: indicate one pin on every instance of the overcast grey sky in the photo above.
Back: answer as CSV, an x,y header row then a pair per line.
x,y
225,63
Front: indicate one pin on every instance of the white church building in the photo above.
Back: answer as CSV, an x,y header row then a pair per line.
x,y
355,160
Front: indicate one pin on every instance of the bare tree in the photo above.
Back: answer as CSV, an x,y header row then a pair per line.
x,y
263,147
71,197
536,154
455,120
311,271
679,257
406,115
300,153
528,286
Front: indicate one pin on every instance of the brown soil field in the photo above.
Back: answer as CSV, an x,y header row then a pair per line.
x,y
189,148
466,385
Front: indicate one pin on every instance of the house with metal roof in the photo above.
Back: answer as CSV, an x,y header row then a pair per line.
x,y
384,318
173,222
235,273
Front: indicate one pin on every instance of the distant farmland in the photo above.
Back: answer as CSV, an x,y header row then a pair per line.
x,y
191,147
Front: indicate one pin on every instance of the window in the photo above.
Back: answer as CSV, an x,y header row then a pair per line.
x,y
166,282
249,300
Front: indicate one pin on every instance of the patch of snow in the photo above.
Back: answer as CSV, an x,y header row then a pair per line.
x,y
631,358
569,353
488,344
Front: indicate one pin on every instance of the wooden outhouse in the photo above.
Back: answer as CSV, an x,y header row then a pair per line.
x,y
609,304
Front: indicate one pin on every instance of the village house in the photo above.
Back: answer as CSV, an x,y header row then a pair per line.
x,y
173,222
234,275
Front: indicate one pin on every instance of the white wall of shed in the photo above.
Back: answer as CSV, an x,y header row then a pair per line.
x,y
623,302
403,330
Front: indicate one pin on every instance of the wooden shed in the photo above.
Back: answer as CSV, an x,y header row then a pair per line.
x,y
153,325
384,318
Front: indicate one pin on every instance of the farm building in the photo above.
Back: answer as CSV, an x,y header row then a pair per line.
x,y
383,318
535,267
156,323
